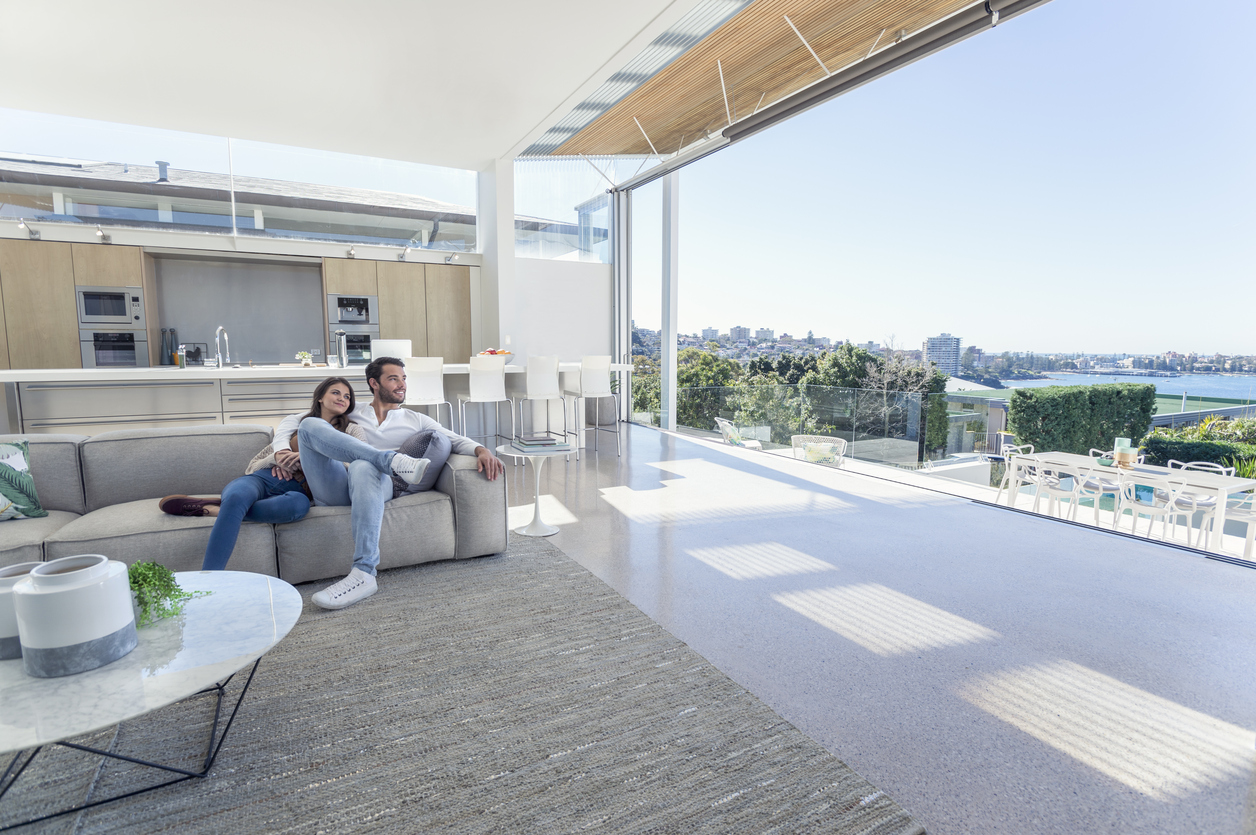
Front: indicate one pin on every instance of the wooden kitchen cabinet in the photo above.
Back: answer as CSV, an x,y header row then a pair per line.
x,y
350,277
448,312
4,340
403,304
40,313
105,265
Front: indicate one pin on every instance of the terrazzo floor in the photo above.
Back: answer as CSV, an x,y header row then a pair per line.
x,y
992,671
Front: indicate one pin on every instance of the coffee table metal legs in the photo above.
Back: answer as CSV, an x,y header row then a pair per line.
x,y
536,527
14,770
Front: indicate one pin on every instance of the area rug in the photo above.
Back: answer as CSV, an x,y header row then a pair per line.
x,y
515,694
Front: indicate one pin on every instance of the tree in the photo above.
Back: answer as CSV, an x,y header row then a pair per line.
x,y
846,367
702,379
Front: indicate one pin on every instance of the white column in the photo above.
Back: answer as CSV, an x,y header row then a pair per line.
x,y
496,220
671,264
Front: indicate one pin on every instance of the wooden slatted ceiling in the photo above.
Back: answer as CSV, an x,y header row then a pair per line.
x,y
762,59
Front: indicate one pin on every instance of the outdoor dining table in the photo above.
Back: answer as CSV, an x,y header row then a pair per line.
x,y
1202,481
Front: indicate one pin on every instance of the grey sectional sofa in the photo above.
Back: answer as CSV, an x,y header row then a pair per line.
x,y
101,496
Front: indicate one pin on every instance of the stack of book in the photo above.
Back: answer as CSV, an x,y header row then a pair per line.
x,y
540,443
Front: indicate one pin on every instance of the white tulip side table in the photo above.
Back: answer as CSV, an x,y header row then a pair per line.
x,y
537,458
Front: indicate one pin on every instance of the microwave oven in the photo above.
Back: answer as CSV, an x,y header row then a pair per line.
x,y
122,307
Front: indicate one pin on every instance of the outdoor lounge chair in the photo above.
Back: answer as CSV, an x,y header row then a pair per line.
x,y
732,436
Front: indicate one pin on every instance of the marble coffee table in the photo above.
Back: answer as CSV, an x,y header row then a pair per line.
x,y
216,636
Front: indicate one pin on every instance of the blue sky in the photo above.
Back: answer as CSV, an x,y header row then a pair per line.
x,y
1079,179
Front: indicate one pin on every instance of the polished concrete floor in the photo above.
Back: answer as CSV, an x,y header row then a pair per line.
x,y
992,671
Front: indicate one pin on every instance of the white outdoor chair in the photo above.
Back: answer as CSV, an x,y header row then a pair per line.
x,y
487,384
1162,502
1008,452
1239,510
425,384
817,453
1023,471
732,437
1189,502
541,383
595,382
1058,484
1097,482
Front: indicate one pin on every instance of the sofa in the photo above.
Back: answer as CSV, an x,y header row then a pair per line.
x,y
101,496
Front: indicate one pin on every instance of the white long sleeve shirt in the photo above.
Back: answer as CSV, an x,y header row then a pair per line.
x,y
399,424
284,432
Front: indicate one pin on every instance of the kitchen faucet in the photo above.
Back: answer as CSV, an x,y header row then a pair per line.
x,y
218,348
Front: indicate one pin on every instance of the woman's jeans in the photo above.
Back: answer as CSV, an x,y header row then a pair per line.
x,y
257,497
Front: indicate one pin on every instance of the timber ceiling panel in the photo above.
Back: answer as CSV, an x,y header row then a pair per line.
x,y
763,60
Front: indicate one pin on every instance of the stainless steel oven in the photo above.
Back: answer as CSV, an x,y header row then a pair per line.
x,y
122,307
114,349
357,340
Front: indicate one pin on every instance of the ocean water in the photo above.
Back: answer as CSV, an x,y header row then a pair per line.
x,y
1241,386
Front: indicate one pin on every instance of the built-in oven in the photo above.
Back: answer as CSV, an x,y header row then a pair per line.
x,y
352,310
114,349
122,307
357,341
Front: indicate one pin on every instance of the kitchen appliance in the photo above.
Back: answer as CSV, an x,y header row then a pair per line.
x,y
353,310
114,349
122,307
356,349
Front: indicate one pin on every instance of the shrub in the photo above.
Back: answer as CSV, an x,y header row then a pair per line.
x,y
1081,418
1160,448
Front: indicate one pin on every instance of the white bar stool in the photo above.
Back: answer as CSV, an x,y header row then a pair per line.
x,y
425,384
542,384
399,348
487,384
595,382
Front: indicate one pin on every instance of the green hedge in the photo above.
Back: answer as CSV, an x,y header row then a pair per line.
x,y
1081,418
1159,449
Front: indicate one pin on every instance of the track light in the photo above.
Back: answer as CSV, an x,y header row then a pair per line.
x,y
353,253
101,236
21,224
402,256
451,259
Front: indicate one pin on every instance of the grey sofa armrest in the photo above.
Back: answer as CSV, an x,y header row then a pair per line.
x,y
479,507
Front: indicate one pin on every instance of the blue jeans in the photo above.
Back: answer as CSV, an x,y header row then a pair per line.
x,y
257,497
364,487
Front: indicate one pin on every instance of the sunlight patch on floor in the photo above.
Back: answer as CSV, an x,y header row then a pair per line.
x,y
553,512
882,620
759,559
1148,743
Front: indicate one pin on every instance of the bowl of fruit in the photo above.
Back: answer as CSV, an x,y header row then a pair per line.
x,y
495,352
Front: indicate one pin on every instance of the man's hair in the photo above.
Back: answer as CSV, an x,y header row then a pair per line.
x,y
376,369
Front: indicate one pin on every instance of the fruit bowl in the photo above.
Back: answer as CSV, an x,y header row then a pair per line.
x,y
491,352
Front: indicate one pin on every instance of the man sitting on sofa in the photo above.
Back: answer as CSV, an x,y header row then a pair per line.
x,y
404,452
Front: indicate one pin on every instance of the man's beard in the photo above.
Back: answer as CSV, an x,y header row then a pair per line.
x,y
392,396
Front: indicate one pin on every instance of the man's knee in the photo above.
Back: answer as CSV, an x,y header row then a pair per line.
x,y
439,444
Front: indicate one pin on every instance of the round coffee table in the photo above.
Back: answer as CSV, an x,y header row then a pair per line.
x,y
537,457
217,636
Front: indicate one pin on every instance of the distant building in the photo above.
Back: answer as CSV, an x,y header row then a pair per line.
x,y
944,350
710,334
738,333
870,347
765,333
786,339
823,341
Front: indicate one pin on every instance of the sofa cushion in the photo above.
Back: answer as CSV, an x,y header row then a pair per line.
x,y
133,464
55,469
23,539
139,531
479,506
417,528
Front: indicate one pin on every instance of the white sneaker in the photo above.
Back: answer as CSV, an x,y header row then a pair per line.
x,y
408,469
357,586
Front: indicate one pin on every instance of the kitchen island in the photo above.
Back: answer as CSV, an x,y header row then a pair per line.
x,y
83,401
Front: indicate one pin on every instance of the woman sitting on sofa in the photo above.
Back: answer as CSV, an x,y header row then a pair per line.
x,y
273,488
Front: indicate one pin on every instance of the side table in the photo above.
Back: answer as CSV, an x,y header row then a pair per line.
x,y
197,652
537,458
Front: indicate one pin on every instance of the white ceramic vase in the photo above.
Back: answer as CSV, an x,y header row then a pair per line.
x,y
10,644
74,614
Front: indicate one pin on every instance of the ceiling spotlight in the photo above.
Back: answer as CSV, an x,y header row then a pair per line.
x,y
21,224
402,256
451,259
353,253
101,236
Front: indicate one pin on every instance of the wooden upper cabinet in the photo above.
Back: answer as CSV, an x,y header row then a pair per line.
x,y
40,313
449,312
4,341
350,277
105,265
403,304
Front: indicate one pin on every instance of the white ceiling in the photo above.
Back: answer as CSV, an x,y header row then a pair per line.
x,y
457,83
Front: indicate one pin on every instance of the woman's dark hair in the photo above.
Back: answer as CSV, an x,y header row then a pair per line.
x,y
316,408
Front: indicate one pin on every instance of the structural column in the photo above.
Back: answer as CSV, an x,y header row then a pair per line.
x,y
671,264
621,243
496,221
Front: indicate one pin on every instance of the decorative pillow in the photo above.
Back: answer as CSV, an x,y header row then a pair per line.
x,y
17,488
820,453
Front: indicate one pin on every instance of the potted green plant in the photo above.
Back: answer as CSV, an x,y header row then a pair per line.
x,y
306,358
156,593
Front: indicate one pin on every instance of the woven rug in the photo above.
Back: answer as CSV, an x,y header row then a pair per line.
x,y
515,693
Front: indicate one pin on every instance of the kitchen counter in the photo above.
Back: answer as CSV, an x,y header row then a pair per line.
x,y
261,372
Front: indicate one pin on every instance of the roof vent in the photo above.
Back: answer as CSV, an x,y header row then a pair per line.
x,y
161,171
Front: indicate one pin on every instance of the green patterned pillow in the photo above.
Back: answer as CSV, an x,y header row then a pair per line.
x,y
17,488
820,453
